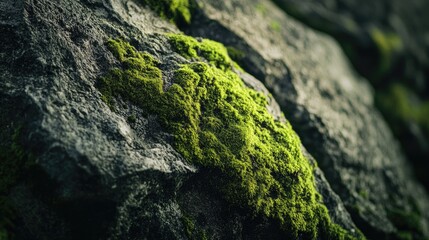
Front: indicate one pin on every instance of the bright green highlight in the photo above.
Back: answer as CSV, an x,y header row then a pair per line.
x,y
173,10
215,53
219,123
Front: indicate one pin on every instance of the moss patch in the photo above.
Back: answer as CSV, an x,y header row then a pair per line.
x,y
387,45
191,231
235,53
275,26
408,223
401,104
177,11
218,123
215,53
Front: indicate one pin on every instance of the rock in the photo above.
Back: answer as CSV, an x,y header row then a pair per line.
x,y
329,106
75,166
387,43
86,171
361,23
88,160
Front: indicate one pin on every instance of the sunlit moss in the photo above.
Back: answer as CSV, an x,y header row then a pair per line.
x,y
140,72
178,11
219,123
214,52
405,236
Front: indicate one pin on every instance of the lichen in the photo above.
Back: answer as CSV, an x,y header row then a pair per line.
x,y
218,123
177,11
215,53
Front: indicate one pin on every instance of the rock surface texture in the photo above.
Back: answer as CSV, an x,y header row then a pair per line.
x,y
77,163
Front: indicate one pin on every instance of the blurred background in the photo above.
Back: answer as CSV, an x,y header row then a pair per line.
x,y
387,41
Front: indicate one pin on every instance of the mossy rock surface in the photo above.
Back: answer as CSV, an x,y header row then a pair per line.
x,y
161,135
219,123
348,138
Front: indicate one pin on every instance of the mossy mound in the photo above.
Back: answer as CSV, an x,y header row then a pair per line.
x,y
218,123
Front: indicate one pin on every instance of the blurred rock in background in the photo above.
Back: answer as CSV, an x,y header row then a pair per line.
x,y
388,43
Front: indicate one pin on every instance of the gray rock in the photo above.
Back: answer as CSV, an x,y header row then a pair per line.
x,y
387,42
91,162
96,175
355,21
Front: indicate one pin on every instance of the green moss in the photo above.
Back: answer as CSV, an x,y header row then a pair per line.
x,y
261,8
191,230
401,104
177,11
140,73
215,53
235,53
364,193
275,26
405,236
387,44
132,118
3,235
189,225
219,123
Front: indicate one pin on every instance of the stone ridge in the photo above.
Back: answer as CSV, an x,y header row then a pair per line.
x,y
330,108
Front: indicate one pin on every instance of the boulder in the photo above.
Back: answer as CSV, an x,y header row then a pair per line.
x,y
91,147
